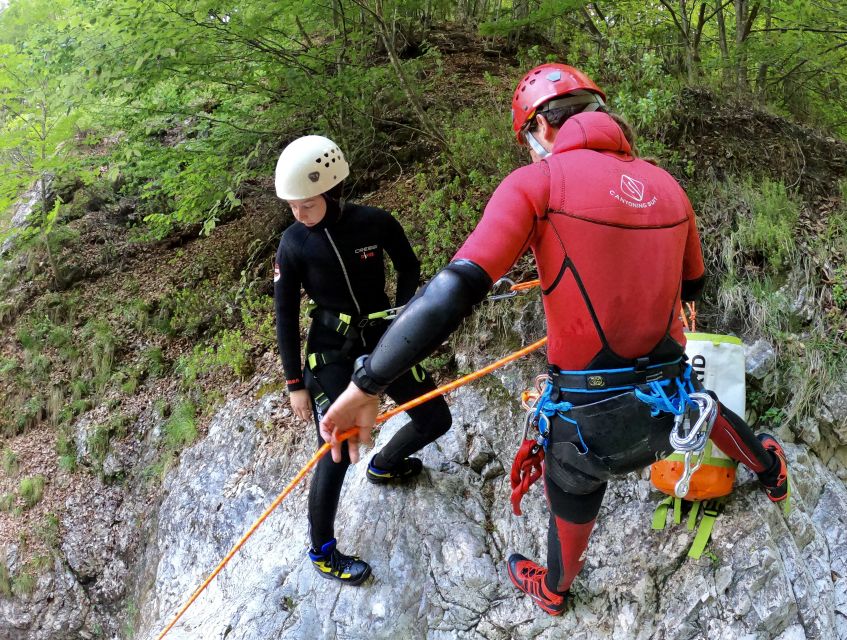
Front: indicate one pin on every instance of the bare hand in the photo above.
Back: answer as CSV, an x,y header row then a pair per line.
x,y
354,409
301,404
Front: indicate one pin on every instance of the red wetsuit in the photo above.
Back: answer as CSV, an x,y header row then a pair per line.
x,y
617,247
599,205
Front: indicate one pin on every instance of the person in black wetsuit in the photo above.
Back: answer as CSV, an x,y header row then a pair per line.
x,y
335,252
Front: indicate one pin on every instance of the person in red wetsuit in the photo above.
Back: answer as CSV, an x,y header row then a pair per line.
x,y
617,248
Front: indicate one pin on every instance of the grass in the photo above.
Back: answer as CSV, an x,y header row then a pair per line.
x,y
10,462
181,428
31,490
100,439
7,501
5,581
66,449
48,532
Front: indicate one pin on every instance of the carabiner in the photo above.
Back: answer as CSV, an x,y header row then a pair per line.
x,y
692,442
502,296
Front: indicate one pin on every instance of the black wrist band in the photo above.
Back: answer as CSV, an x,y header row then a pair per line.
x,y
362,380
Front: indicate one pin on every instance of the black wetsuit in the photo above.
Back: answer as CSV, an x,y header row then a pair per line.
x,y
339,262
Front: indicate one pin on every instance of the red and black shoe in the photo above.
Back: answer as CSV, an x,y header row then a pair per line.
x,y
529,578
774,479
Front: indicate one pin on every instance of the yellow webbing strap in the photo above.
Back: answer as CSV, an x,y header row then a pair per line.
x,y
660,515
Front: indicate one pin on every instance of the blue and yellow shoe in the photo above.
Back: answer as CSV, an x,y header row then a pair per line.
x,y
334,565
406,470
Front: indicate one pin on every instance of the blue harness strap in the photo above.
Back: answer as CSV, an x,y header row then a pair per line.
x,y
548,408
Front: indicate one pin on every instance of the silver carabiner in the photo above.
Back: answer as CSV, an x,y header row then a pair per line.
x,y
692,442
694,438
502,296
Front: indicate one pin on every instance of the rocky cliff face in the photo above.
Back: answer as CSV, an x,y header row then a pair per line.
x,y
438,546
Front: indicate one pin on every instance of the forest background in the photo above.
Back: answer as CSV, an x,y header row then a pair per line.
x,y
137,145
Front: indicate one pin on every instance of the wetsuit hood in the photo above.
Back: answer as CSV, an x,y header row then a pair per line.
x,y
594,130
333,213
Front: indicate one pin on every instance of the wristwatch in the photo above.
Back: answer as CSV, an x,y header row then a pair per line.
x,y
362,380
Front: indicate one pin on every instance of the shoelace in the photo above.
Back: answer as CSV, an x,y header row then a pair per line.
x,y
533,577
338,562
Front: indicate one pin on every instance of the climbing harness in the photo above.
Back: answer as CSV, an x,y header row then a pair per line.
x,y
325,448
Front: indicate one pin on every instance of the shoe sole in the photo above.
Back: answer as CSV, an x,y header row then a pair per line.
x,y
352,583
397,480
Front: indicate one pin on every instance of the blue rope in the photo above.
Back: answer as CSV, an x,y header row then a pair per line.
x,y
658,399
547,407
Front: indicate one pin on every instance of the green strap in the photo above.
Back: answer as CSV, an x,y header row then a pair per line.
x,y
711,510
418,373
715,462
377,315
677,510
692,514
786,506
660,515
322,401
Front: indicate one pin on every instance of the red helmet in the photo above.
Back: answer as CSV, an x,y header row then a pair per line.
x,y
542,84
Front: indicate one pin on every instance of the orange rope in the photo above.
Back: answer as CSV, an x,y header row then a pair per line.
x,y
522,286
461,381
322,451
689,321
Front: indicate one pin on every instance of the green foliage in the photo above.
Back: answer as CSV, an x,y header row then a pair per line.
x,y
24,584
101,345
228,351
769,229
31,490
47,532
10,462
181,428
7,501
101,436
66,449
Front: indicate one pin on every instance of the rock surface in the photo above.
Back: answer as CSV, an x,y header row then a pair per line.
x,y
438,547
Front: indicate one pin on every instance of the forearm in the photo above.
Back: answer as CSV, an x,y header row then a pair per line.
x,y
429,318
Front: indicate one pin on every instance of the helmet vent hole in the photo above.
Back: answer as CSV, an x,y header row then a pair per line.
x,y
333,159
327,165
532,81
318,160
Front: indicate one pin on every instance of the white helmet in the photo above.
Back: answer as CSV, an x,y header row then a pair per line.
x,y
309,166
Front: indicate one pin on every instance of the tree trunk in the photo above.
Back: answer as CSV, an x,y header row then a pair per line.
x,y
722,43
